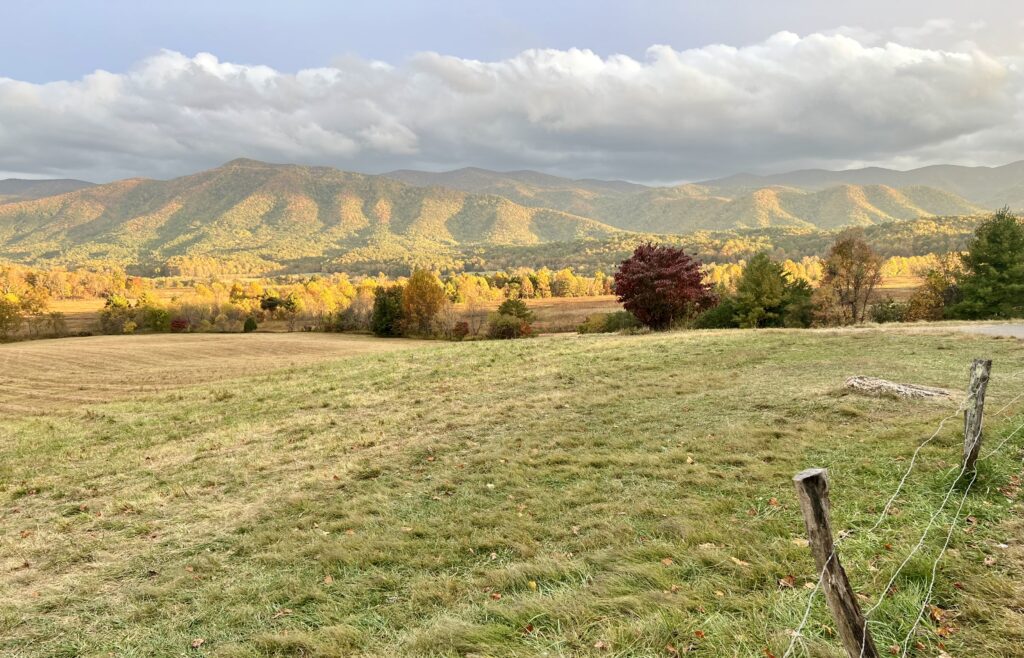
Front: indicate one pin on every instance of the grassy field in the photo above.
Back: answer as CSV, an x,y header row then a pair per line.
x,y
562,496
39,376
556,314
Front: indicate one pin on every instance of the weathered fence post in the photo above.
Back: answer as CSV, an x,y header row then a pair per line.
x,y
980,371
812,490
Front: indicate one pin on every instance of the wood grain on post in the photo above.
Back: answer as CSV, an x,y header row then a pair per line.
x,y
812,491
981,369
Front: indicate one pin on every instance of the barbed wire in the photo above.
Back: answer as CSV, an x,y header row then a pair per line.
x,y
881,518
798,633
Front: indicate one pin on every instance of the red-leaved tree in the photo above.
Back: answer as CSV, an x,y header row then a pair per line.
x,y
659,284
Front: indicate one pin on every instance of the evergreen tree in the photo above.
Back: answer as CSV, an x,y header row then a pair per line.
x,y
761,293
993,282
386,319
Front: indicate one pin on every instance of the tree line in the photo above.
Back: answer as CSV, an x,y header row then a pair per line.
x,y
662,285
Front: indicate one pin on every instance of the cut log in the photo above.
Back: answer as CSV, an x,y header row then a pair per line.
x,y
876,386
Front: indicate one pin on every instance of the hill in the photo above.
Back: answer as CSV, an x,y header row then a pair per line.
x,y
714,206
21,189
577,496
988,187
264,217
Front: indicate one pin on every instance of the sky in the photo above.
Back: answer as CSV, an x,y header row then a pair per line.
x,y
650,91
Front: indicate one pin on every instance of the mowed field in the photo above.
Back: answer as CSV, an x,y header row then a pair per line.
x,y
39,376
561,496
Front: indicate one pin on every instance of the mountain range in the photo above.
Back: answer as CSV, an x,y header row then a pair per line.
x,y
268,217
21,189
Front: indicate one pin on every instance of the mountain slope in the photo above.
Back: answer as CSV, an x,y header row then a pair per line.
x,y
271,214
21,189
715,206
989,187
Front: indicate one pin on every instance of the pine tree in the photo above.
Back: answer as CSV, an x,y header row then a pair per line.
x,y
993,282
761,293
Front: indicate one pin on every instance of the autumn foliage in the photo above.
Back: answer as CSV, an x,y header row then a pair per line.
x,y
660,284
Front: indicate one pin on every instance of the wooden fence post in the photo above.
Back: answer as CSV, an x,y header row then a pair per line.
x,y
980,371
812,490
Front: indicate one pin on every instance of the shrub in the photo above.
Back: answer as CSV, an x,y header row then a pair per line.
x,y
250,325
503,327
722,316
661,285
460,330
180,324
889,310
516,308
608,323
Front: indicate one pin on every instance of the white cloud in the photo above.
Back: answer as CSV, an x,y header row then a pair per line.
x,y
822,99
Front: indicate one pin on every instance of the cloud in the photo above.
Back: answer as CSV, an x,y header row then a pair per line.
x,y
823,99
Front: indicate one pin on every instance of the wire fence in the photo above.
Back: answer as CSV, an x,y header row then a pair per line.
x,y
797,635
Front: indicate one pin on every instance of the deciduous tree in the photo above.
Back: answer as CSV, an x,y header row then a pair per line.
x,y
851,273
660,284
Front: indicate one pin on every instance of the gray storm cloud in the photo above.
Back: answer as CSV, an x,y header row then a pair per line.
x,y
818,100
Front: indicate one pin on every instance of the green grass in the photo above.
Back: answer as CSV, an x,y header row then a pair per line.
x,y
599,495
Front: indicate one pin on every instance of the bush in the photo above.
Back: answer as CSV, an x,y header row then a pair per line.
x,y
722,316
180,325
460,330
250,325
889,310
504,327
602,323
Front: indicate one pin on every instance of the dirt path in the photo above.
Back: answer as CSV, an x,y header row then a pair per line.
x,y
1010,330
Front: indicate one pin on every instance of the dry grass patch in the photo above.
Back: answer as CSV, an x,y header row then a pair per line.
x,y
41,375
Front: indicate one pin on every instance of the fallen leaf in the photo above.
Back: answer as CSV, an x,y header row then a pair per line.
x,y
787,581
532,585
738,561
667,561
282,613
774,502
698,634
936,613
989,561
894,649
328,579
198,642
719,593
800,541
496,596
689,459
527,629
601,645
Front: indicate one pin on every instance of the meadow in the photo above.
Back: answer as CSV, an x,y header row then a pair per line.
x,y
552,314
561,496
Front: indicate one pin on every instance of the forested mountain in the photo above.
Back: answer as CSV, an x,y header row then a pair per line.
x,y
264,216
687,208
250,217
21,189
988,187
